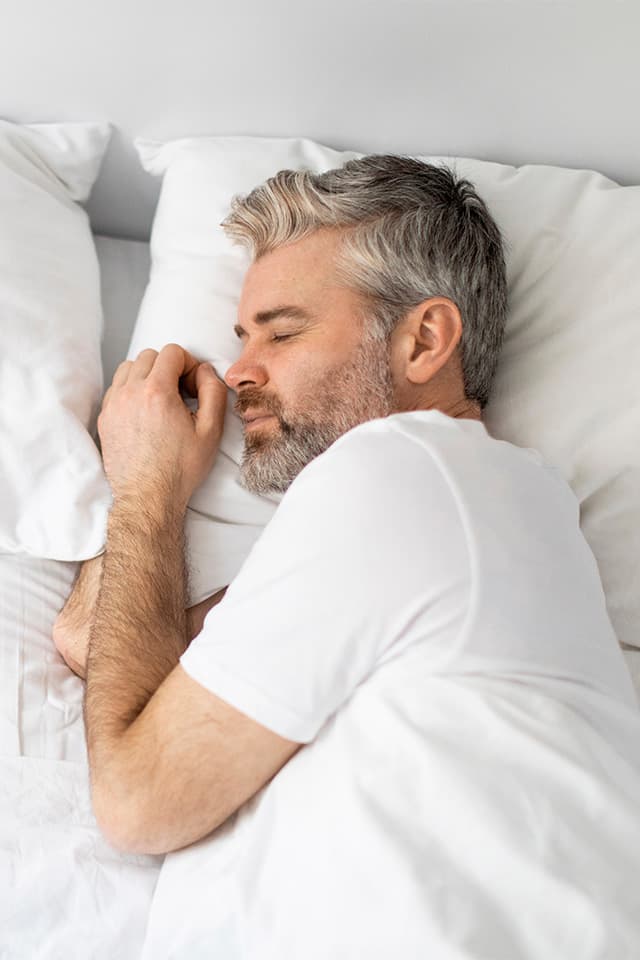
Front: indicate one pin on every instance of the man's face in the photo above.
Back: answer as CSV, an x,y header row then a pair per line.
x,y
316,384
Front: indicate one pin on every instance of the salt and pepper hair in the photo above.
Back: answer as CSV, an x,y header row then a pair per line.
x,y
411,231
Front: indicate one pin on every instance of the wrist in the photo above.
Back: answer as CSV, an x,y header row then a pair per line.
x,y
155,508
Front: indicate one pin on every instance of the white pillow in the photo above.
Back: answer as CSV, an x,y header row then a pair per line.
x,y
566,382
53,493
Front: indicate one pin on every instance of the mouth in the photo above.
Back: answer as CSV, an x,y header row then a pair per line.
x,y
252,423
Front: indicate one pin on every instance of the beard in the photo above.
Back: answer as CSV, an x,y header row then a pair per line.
x,y
359,390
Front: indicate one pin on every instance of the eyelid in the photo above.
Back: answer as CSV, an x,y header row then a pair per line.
x,y
282,336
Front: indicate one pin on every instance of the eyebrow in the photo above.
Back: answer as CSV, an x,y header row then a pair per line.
x,y
266,316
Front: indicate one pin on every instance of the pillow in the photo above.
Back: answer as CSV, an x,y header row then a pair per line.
x,y
53,492
566,380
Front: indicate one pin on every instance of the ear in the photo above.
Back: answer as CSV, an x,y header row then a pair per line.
x,y
426,338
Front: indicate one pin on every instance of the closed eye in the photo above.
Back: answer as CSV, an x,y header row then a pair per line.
x,y
284,336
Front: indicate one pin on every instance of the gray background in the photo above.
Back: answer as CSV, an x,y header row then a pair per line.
x,y
514,81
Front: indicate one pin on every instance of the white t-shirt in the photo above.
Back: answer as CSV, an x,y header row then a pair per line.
x,y
424,613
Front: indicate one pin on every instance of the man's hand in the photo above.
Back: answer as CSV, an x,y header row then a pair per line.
x,y
72,626
152,444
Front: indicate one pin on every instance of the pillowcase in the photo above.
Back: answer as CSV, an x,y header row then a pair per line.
x,y
53,492
565,383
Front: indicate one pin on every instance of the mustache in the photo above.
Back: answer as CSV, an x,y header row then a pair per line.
x,y
249,401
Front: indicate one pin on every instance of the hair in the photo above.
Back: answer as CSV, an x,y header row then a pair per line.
x,y
412,230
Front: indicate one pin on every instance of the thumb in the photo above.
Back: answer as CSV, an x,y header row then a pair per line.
x,y
212,401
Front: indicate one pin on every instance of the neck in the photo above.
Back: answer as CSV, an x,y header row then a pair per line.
x,y
461,409
468,409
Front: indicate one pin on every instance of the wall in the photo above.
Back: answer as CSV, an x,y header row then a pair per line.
x,y
508,80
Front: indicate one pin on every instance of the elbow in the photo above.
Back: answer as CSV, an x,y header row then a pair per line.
x,y
127,830
121,824
113,823
125,838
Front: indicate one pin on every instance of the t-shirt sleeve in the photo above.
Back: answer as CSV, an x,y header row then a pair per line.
x,y
330,585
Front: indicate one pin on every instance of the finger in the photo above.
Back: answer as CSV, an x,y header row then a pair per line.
x,y
121,375
188,382
172,363
143,364
212,401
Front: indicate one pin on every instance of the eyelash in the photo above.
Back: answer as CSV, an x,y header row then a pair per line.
x,y
284,336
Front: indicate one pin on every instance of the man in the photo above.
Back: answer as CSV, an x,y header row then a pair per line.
x,y
409,546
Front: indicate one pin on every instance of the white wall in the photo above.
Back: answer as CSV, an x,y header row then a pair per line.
x,y
508,80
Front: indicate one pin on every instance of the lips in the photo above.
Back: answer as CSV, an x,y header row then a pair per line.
x,y
250,423
252,415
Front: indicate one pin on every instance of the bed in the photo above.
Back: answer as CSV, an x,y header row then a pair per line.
x,y
65,892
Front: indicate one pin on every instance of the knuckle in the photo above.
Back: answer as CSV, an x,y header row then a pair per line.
x,y
153,391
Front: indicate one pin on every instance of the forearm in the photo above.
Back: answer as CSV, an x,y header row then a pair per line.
x,y
139,628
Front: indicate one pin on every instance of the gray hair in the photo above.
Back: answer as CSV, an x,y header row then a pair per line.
x,y
413,230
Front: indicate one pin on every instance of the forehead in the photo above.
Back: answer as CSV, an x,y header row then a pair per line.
x,y
292,273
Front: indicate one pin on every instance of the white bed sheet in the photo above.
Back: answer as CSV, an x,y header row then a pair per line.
x,y
64,891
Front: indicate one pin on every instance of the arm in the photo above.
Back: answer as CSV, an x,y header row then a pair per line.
x,y
168,760
72,626
149,726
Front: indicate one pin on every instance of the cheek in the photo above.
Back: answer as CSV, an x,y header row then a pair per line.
x,y
298,378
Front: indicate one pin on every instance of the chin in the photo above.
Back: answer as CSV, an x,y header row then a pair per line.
x,y
256,476
263,486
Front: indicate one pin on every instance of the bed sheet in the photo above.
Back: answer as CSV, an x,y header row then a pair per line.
x,y
64,891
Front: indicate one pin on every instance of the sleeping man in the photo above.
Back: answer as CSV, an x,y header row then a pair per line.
x,y
386,735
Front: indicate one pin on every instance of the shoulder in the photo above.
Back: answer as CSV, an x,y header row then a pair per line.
x,y
375,501
378,465
381,448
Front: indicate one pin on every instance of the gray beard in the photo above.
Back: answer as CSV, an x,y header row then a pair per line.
x,y
360,390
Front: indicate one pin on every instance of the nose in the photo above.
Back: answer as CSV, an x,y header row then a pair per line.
x,y
245,372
